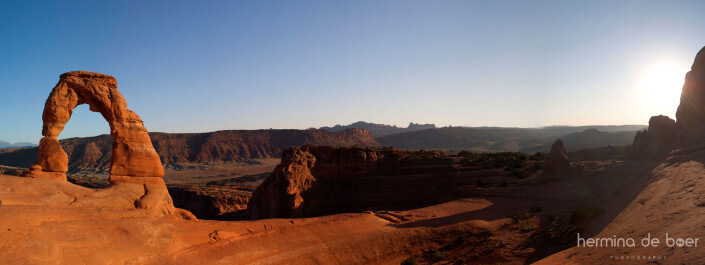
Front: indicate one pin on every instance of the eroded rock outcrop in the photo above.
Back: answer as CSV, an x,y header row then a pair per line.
x,y
316,180
557,158
135,167
226,202
657,140
690,116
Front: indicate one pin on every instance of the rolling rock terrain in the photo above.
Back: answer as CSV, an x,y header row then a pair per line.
x,y
669,200
525,140
195,163
366,205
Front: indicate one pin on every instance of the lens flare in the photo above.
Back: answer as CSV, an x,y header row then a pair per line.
x,y
660,87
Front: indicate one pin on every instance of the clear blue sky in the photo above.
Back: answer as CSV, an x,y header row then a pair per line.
x,y
206,65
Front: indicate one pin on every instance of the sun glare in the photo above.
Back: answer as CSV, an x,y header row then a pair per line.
x,y
660,88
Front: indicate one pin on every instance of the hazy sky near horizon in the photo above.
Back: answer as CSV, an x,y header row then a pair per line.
x,y
195,66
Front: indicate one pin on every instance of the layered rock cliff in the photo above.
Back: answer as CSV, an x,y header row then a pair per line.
x,y
93,153
243,144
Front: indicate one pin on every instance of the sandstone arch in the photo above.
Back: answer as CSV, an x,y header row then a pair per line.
x,y
135,168
132,152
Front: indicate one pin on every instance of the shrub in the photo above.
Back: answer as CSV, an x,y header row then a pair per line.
x,y
516,172
439,255
410,261
537,156
580,217
516,217
15,172
474,238
521,222
435,254
465,154
506,160
554,229
525,226
481,184
536,209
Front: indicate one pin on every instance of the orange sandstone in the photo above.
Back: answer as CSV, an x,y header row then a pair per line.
x,y
135,167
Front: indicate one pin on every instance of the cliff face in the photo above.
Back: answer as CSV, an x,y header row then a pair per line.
x,y
241,145
657,140
690,116
316,180
212,202
93,153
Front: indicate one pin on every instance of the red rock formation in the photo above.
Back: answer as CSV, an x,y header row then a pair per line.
x,y
557,158
135,167
280,194
315,180
226,202
690,117
132,151
657,140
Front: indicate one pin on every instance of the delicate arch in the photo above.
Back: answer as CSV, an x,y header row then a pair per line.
x,y
132,151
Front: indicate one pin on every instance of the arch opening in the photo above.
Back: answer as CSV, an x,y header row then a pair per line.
x,y
84,123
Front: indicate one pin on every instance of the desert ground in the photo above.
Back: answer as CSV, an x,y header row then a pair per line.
x,y
55,222
196,173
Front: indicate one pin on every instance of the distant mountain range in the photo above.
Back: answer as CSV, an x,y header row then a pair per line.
x,y
6,145
528,140
379,130
590,138
242,145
